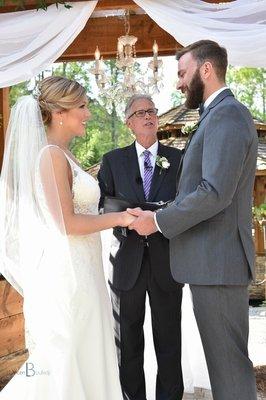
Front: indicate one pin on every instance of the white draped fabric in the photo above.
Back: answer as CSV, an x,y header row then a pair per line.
x,y
32,40
240,26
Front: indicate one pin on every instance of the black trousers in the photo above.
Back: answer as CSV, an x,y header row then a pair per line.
x,y
129,313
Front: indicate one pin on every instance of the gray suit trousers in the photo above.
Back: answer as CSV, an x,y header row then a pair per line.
x,y
222,317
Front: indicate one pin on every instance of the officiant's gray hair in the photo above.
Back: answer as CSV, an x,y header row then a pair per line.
x,y
135,97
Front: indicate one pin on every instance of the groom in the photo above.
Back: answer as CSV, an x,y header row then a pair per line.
x,y
209,223
141,265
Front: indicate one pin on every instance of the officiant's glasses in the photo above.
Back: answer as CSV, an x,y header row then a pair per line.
x,y
142,113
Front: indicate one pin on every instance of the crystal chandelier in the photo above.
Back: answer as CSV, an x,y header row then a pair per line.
x,y
130,81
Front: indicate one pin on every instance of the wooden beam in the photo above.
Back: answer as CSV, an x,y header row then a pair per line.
x,y
116,4
11,302
261,172
10,364
4,116
103,32
11,334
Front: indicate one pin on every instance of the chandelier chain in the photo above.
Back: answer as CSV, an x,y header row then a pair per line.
x,y
127,22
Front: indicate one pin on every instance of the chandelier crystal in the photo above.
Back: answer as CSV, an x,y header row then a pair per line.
x,y
131,82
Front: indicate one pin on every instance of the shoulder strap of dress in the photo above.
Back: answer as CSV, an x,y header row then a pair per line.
x,y
72,164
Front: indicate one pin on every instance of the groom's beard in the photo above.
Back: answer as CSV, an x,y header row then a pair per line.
x,y
195,91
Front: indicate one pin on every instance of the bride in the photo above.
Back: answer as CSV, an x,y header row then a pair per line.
x,y
50,251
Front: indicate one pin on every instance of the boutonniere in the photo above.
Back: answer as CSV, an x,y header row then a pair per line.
x,y
162,162
190,127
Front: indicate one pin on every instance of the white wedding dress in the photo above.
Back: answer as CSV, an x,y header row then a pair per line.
x,y
74,360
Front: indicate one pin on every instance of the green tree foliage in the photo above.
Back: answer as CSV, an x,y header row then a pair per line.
x,y
99,138
249,86
39,4
78,71
17,91
177,98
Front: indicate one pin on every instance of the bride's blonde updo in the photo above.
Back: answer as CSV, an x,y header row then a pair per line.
x,y
57,93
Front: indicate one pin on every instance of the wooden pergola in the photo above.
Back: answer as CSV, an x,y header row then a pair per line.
x,y
102,29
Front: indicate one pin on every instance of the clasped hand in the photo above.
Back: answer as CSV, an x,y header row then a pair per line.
x,y
143,221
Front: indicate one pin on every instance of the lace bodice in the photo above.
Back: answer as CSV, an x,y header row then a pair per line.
x,y
85,190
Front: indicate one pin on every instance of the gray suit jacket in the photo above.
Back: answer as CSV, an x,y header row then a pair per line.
x,y
209,223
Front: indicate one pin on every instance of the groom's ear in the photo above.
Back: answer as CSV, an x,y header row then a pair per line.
x,y
206,70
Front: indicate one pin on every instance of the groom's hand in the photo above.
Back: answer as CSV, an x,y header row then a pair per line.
x,y
144,224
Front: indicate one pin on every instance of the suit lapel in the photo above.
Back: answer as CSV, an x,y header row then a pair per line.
x,y
131,166
158,174
217,100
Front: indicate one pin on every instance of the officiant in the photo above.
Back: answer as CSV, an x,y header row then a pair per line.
x,y
141,173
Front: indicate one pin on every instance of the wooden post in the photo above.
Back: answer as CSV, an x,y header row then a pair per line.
x,y
12,342
4,116
259,198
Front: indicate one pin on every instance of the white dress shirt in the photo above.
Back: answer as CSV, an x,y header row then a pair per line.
x,y
206,104
153,150
212,96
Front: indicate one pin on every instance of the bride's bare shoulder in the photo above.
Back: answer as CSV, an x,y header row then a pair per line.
x,y
53,159
53,153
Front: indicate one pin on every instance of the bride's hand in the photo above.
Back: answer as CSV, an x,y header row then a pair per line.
x,y
126,219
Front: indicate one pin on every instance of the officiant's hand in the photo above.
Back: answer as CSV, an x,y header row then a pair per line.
x,y
144,224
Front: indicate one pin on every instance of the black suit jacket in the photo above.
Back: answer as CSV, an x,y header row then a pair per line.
x,y
119,176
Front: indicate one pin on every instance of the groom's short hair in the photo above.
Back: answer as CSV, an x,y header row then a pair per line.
x,y
208,50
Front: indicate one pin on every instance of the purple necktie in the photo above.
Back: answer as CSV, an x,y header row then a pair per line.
x,y
147,173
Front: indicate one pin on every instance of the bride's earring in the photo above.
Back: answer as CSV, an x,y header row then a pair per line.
x,y
61,123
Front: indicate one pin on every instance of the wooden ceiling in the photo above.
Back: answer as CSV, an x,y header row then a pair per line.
x,y
105,26
103,32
